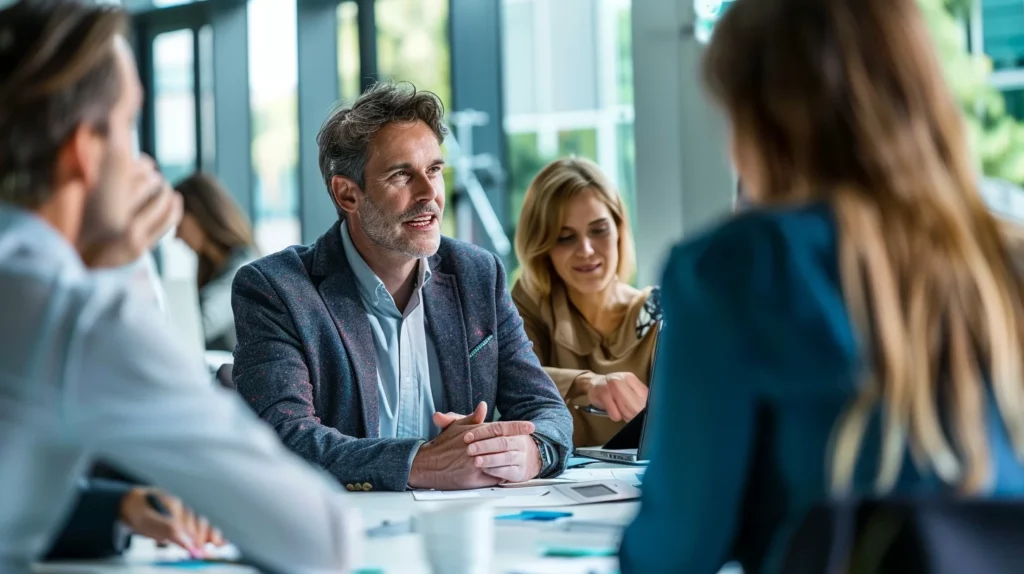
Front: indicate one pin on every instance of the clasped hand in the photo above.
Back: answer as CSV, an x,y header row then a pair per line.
x,y
470,453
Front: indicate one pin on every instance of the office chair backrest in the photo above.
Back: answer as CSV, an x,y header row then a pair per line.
x,y
922,536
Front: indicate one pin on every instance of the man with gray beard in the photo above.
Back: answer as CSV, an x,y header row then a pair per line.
x,y
383,351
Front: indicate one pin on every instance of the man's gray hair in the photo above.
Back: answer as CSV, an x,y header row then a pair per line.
x,y
345,136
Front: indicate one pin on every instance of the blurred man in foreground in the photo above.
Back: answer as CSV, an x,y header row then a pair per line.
x,y
87,369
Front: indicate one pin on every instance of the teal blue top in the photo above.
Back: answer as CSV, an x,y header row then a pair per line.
x,y
757,361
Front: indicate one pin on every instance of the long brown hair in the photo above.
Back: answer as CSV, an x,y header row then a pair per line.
x,y
217,214
844,101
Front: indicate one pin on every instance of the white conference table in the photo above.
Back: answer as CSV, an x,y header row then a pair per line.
x,y
518,545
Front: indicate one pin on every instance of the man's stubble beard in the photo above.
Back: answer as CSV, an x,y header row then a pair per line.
x,y
385,230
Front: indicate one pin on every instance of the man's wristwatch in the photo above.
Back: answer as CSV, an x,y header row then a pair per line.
x,y
543,454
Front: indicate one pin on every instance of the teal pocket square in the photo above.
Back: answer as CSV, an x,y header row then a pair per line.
x,y
480,346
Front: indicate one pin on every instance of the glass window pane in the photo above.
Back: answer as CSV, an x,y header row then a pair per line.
x,y
208,126
348,51
448,227
174,103
1015,103
169,3
273,94
1003,148
525,160
708,13
578,143
1003,25
624,55
568,89
412,44
626,140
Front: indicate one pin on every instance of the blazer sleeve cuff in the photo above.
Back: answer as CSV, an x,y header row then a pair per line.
x,y
558,456
387,465
412,457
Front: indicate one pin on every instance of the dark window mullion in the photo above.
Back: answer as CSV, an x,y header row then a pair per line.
x,y
197,103
232,112
144,62
367,19
317,49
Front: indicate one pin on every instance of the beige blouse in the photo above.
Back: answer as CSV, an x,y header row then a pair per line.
x,y
569,347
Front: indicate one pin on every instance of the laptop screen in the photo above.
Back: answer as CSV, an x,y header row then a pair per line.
x,y
642,453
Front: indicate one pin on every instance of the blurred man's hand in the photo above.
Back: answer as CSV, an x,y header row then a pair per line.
x,y
157,209
180,525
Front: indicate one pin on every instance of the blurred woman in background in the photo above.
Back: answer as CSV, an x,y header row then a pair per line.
x,y
216,229
868,309
593,331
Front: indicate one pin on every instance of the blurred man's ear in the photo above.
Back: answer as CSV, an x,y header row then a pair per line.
x,y
81,157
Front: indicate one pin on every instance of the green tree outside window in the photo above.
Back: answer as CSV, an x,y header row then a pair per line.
x,y
996,137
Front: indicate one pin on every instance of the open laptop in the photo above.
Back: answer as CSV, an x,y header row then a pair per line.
x,y
630,445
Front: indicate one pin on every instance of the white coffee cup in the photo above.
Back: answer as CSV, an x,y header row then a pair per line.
x,y
458,537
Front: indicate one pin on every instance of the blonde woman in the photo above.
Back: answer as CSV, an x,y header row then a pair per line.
x,y
864,310
593,332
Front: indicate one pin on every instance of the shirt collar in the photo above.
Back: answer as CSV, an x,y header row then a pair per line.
x,y
371,288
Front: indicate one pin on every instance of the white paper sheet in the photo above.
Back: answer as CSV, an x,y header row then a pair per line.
x,y
527,497
632,476
425,495
568,566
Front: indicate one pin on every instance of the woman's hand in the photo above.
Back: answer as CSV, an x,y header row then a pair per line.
x,y
621,395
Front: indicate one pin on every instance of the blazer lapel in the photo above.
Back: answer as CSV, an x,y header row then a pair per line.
x,y
340,294
448,329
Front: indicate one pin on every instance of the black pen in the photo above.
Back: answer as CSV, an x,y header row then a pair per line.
x,y
593,410
156,504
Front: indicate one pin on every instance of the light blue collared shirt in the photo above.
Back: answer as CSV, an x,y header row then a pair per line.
x,y
89,370
409,382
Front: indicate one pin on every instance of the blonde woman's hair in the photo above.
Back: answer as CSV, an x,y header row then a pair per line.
x,y
843,101
544,209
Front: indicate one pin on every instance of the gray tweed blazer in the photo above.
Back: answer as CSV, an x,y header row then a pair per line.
x,y
306,364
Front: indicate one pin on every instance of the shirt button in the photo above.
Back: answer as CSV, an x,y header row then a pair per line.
x,y
367,486
349,487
